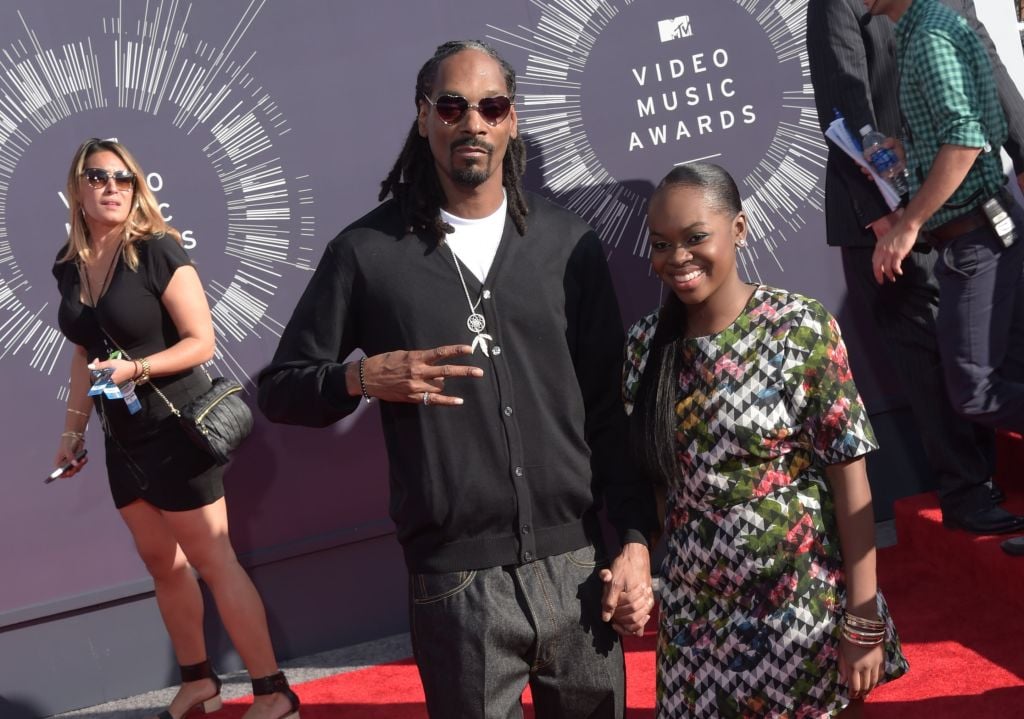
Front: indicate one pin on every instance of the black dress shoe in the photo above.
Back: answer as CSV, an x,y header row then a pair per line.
x,y
998,497
1014,546
993,520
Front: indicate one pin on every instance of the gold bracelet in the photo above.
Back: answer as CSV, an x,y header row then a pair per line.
x,y
80,414
144,376
73,435
861,634
859,643
861,623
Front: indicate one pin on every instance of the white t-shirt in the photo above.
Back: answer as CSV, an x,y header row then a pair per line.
x,y
475,242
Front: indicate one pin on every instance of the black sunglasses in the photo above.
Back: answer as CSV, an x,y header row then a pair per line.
x,y
97,178
452,108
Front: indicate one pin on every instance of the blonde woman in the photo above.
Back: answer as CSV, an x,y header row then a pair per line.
x,y
128,286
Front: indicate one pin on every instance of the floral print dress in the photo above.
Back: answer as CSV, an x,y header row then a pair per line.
x,y
753,586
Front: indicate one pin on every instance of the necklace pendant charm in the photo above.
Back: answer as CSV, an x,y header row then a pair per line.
x,y
481,339
476,323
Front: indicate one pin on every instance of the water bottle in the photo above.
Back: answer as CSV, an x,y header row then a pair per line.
x,y
882,158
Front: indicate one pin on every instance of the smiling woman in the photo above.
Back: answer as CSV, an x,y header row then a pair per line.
x,y
745,413
693,251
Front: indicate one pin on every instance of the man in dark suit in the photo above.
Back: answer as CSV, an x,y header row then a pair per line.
x,y
854,71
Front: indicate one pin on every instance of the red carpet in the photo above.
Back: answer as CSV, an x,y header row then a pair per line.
x,y
958,603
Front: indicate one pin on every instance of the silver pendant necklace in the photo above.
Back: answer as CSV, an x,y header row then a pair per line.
x,y
476,321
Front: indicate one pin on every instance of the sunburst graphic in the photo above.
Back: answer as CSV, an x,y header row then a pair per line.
x,y
155,64
576,50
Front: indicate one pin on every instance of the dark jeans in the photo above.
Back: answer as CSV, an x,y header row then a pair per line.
x,y
981,325
480,636
904,312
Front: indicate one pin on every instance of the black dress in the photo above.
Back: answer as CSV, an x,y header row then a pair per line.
x,y
149,456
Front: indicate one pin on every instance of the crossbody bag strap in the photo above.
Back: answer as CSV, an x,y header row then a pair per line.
x,y
170,405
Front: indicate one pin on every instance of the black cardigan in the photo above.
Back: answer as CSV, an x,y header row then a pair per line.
x,y
515,473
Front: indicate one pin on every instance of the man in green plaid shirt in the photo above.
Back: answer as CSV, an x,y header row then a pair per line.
x,y
954,128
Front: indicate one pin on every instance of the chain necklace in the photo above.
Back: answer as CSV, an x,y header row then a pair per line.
x,y
476,321
106,278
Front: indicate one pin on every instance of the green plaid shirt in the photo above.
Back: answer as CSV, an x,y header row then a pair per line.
x,y
948,97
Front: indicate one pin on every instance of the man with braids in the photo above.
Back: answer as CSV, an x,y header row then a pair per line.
x,y
493,341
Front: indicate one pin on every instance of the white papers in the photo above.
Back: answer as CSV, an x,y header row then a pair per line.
x,y
838,134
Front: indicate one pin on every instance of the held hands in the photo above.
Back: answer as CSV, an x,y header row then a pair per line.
x,y
414,376
860,667
628,597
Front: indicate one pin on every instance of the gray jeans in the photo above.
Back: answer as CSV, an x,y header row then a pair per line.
x,y
480,636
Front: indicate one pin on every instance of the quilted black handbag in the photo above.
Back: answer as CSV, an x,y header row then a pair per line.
x,y
217,420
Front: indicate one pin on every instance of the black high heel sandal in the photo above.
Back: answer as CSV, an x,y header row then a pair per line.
x,y
277,683
193,673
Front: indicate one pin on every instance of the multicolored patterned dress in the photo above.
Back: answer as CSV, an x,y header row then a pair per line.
x,y
753,584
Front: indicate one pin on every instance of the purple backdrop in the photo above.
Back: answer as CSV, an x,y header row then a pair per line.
x,y
267,126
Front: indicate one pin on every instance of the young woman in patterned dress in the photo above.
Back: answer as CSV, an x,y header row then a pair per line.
x,y
745,412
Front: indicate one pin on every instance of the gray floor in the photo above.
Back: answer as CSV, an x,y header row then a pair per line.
x,y
317,666
237,685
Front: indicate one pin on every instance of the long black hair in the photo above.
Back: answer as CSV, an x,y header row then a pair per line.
x,y
413,180
652,431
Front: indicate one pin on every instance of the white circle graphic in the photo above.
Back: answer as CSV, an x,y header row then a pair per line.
x,y
218,138
613,93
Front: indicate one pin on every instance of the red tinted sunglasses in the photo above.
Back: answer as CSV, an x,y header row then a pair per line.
x,y
452,108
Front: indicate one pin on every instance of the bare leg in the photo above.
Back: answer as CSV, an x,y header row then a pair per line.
x,y
203,535
177,596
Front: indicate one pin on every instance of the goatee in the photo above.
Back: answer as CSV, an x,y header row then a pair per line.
x,y
470,176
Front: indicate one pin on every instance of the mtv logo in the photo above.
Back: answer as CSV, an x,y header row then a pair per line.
x,y
675,28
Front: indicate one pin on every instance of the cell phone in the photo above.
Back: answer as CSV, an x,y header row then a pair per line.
x,y
55,474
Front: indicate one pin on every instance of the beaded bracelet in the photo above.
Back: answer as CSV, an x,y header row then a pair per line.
x,y
362,379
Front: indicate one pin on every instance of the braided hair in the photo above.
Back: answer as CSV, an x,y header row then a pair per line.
x,y
413,180
652,429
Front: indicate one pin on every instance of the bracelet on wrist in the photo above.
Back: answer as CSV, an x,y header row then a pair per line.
x,y
143,376
862,632
853,620
73,435
362,379
78,412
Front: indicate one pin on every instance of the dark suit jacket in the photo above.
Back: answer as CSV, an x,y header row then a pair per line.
x,y
853,69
